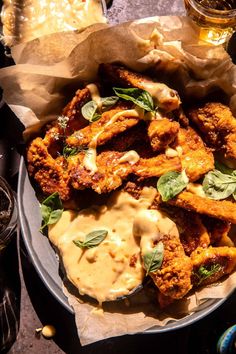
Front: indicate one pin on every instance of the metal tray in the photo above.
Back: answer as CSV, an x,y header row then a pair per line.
x,y
46,262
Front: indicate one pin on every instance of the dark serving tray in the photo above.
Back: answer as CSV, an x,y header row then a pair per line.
x,y
46,261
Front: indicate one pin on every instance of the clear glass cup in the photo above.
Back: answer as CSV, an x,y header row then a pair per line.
x,y
9,309
216,19
8,213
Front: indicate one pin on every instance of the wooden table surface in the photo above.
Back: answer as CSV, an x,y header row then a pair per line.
x,y
37,305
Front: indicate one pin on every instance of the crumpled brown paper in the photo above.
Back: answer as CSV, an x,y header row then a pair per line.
x,y
51,68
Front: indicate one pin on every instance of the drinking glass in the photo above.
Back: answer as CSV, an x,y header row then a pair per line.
x,y
8,213
8,302
216,19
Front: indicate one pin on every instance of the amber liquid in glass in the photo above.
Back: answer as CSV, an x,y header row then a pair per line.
x,y
216,18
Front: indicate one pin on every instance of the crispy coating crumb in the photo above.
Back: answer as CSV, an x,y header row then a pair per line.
x,y
218,126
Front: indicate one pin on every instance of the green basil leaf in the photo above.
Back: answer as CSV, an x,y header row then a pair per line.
x,y
108,102
51,210
171,183
88,110
69,151
218,185
95,117
234,194
140,97
224,169
92,239
205,272
153,260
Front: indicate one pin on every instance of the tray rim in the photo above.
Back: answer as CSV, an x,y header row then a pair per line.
x,y
61,298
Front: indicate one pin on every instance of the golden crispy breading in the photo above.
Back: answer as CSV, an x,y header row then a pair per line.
x,y
220,209
161,133
192,232
49,172
111,171
218,126
107,178
119,76
103,129
195,158
124,141
174,277
210,264
156,166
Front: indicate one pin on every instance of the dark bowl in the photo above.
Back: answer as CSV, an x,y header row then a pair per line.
x,y
46,261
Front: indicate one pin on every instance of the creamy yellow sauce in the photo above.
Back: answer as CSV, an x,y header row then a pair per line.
x,y
105,272
132,157
150,226
24,20
166,98
169,152
95,95
196,188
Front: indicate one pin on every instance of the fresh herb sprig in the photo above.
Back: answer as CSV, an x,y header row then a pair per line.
x,y
92,112
63,121
219,185
140,97
153,260
51,210
171,183
205,272
69,151
92,239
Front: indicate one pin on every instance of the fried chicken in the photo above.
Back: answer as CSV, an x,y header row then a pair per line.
x,y
210,264
108,177
156,166
220,209
126,140
173,279
192,231
162,132
195,158
111,170
47,171
108,126
118,76
218,126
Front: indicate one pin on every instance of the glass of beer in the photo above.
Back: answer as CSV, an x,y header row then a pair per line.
x,y
216,19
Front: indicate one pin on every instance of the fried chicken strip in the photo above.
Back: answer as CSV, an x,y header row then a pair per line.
x,y
173,279
156,166
119,76
195,158
210,264
111,170
161,133
192,232
220,209
108,126
218,126
49,172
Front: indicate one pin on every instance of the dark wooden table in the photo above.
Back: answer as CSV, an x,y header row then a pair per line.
x,y
37,306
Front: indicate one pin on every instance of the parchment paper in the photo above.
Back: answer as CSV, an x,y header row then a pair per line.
x,y
48,72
